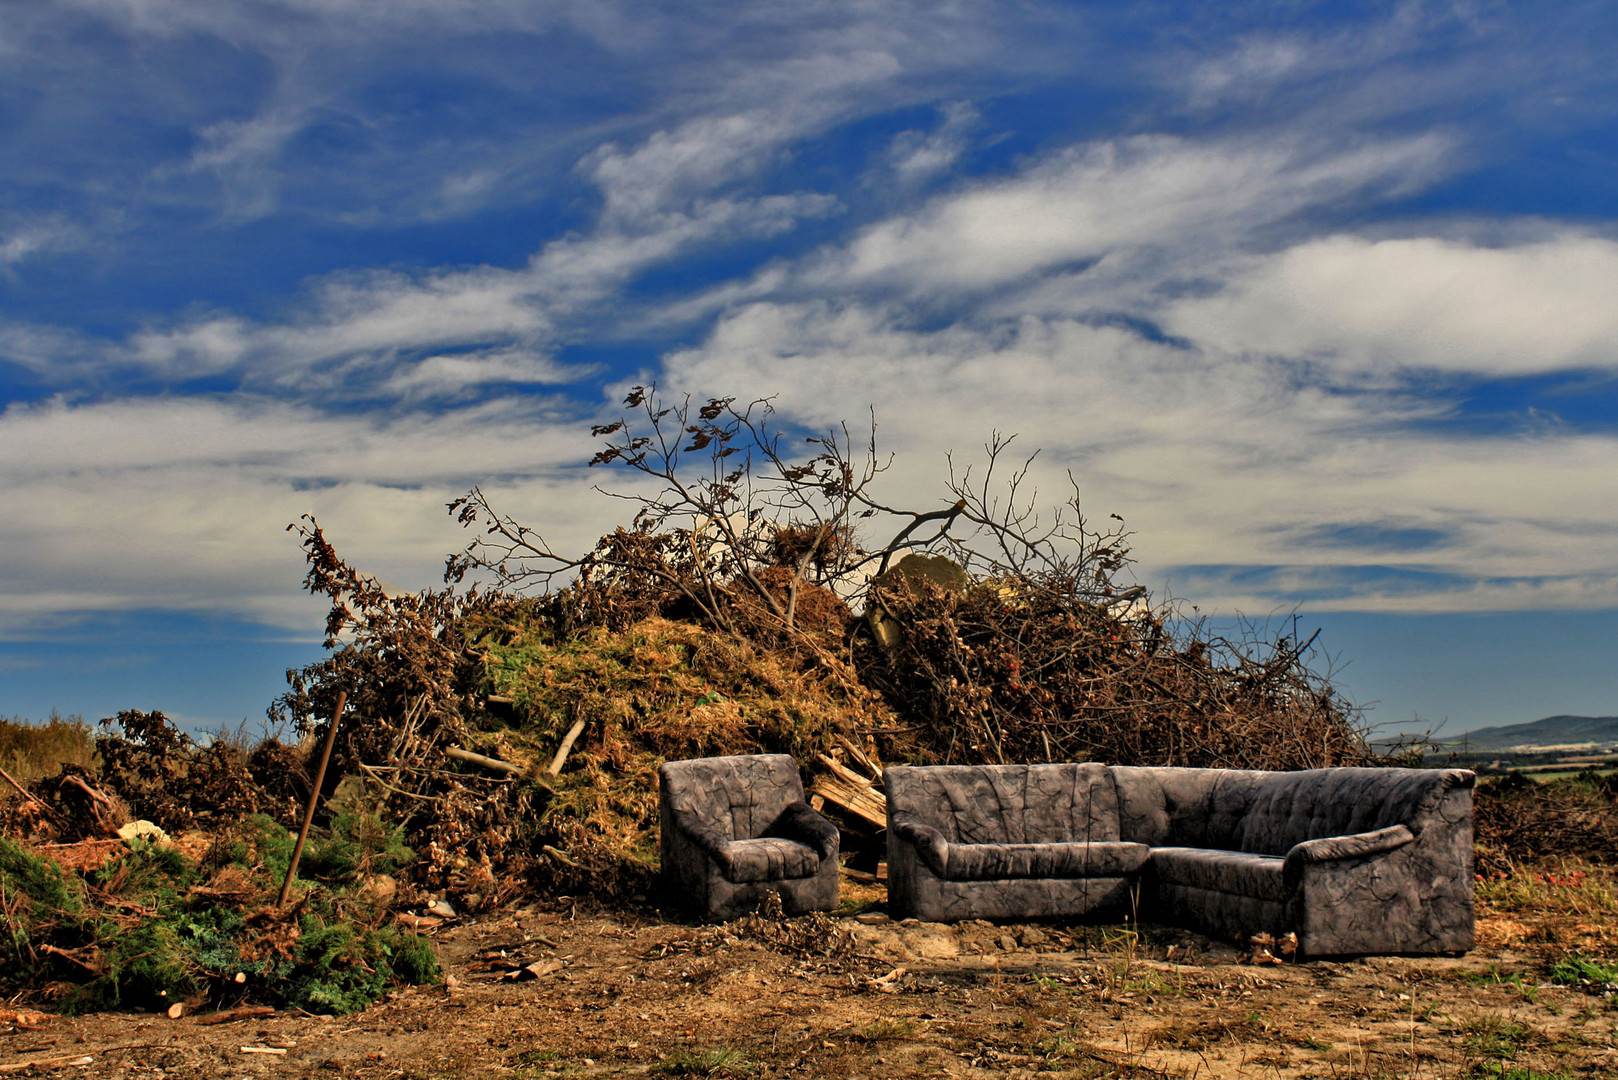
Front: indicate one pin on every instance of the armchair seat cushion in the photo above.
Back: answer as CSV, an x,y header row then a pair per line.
x,y
768,858
1235,872
994,862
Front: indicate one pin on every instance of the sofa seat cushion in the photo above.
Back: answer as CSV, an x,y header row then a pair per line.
x,y
1234,872
996,862
769,858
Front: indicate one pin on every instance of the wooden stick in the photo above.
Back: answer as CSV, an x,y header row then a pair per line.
x,y
98,796
22,790
46,1063
859,756
314,799
245,1012
487,762
562,751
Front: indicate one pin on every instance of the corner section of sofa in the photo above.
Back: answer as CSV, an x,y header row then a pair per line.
x,y
1355,861
1380,893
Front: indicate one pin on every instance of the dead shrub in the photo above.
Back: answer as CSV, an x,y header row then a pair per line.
x,y
1518,819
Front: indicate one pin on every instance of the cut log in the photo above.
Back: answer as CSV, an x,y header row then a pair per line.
x,y
493,764
245,1012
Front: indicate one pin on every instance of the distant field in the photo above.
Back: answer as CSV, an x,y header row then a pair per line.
x,y
1544,775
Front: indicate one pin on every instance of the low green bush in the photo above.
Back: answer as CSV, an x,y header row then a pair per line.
x,y
138,934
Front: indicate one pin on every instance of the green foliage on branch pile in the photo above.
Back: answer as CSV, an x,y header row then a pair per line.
x,y
152,928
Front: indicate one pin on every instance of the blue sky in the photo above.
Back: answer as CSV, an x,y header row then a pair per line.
x,y
1321,298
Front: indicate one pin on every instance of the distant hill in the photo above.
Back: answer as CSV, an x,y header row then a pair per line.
x,y
1551,731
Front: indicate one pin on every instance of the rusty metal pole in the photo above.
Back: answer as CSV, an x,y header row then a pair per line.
x,y
314,799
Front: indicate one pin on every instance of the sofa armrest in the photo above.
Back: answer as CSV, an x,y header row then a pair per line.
x,y
1336,848
801,823
928,841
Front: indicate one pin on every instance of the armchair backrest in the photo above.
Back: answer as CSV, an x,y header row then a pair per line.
x,y
1007,804
739,797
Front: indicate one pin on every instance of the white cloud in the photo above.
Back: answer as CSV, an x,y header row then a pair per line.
x,y
915,156
1214,457
182,504
445,376
33,239
242,153
1105,200
370,328
1421,303
1253,65
671,170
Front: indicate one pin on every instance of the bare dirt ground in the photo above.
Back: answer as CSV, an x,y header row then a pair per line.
x,y
561,990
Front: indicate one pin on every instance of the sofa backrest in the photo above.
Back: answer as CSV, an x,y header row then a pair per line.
x,y
739,797
1290,807
1178,807
1266,813
1007,804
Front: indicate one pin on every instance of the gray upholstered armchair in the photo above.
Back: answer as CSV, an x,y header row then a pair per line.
x,y
736,828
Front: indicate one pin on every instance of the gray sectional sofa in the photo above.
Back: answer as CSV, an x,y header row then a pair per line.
x,y
1355,861
736,828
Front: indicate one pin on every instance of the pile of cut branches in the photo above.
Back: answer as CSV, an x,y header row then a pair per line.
x,y
1029,668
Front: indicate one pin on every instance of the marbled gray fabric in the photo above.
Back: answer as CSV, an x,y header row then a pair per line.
x,y
987,862
768,858
1221,871
1371,860
1413,897
737,828
1331,848
1005,841
1008,804
914,891
1354,860
1218,914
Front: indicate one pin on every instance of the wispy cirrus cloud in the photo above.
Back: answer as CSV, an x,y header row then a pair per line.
x,y
39,237
1110,202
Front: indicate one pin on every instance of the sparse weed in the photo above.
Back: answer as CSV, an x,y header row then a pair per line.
x,y
1493,1035
886,1030
1565,887
1494,1070
720,1061
1058,1046
538,1057
1576,970
31,750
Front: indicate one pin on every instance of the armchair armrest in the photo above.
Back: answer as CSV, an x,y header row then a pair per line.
x,y
928,841
1337,848
801,823
709,840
